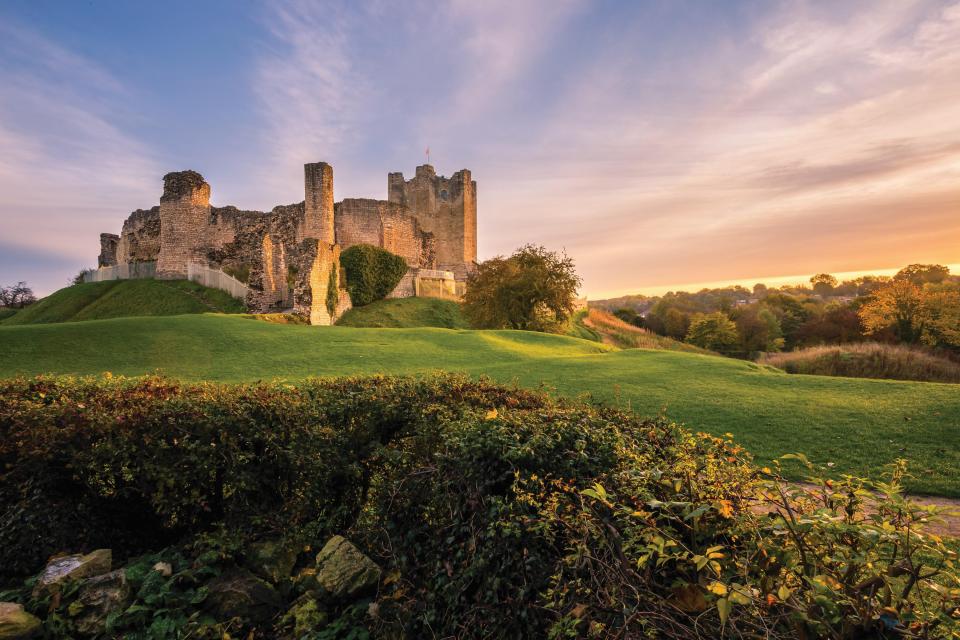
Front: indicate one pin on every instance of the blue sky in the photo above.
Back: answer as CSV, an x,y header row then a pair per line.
x,y
658,142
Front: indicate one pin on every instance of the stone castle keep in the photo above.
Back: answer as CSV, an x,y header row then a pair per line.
x,y
286,256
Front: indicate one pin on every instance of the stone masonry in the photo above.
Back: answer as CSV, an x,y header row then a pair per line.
x,y
286,255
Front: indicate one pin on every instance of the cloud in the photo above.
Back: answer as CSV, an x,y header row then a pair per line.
x,y
805,123
67,168
309,92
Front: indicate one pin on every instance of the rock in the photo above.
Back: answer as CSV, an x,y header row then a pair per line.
x,y
271,560
306,615
306,580
17,624
240,594
73,567
344,571
99,597
164,569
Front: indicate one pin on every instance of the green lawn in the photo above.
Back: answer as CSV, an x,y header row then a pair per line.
x,y
406,312
125,298
856,424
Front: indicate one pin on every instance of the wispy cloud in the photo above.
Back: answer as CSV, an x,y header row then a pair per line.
x,y
309,91
67,170
826,127
645,138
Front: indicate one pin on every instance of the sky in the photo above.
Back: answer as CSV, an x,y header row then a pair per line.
x,y
657,142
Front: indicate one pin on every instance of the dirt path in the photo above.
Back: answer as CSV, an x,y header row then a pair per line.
x,y
948,523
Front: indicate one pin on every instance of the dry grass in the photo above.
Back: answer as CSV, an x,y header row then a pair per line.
x,y
868,360
614,331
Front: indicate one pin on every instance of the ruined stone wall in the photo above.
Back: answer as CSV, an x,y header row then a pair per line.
x,y
405,288
382,224
430,221
314,280
445,207
108,250
184,214
140,237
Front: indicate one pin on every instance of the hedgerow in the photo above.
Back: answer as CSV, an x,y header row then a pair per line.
x,y
492,512
371,272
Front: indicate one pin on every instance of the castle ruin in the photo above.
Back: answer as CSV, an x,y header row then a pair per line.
x,y
286,256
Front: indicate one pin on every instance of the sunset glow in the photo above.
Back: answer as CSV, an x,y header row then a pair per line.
x,y
658,143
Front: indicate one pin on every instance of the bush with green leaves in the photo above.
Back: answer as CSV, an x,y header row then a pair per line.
x,y
492,512
371,273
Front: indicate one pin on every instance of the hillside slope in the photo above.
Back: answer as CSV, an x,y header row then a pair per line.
x,y
857,424
611,330
126,298
401,313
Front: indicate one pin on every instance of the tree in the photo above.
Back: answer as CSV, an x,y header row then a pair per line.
x,y
790,312
629,316
676,323
921,274
837,324
823,284
534,289
17,296
759,330
899,304
866,285
942,311
714,331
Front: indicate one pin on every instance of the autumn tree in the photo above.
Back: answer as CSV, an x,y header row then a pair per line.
x,y
921,274
713,331
942,311
901,305
534,290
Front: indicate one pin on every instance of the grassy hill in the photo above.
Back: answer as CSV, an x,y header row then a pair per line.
x,y
406,312
857,424
610,329
125,298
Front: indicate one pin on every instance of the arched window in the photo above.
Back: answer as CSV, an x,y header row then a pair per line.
x,y
444,195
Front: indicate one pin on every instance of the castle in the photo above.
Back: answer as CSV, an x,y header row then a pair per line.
x,y
288,257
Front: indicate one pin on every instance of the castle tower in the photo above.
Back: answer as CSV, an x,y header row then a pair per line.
x,y
108,250
445,207
318,202
184,215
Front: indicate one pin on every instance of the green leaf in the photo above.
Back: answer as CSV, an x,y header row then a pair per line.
x,y
723,608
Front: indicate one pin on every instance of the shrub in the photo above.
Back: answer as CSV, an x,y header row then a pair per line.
x,y
493,512
371,272
868,360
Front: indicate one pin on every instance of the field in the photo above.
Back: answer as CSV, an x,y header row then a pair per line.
x,y
855,424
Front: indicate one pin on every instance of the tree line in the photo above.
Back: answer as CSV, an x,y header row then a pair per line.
x,y
920,305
